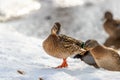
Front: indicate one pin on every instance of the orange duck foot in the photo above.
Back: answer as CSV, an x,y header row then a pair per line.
x,y
63,65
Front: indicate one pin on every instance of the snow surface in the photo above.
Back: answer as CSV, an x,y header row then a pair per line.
x,y
19,52
15,8
21,40
71,3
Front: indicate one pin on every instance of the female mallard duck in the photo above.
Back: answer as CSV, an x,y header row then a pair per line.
x,y
61,46
111,26
105,57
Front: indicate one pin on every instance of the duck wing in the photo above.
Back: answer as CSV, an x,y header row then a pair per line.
x,y
71,44
115,56
70,40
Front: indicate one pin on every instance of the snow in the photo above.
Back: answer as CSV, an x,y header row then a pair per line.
x,y
21,40
20,52
69,3
16,8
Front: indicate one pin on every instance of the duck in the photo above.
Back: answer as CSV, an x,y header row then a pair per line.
x,y
111,26
105,57
61,46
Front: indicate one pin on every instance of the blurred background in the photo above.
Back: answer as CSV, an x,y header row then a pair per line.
x,y
81,19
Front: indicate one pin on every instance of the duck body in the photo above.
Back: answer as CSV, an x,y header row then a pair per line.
x,y
57,46
105,57
112,27
109,27
61,46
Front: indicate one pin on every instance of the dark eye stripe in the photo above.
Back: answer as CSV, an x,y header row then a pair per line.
x,y
55,27
87,42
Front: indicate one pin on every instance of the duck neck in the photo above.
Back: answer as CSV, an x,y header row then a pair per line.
x,y
53,32
109,19
53,38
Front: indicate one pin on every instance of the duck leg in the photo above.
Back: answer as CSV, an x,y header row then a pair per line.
x,y
64,64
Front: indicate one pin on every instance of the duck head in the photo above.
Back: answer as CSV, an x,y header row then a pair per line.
x,y
56,28
90,44
108,15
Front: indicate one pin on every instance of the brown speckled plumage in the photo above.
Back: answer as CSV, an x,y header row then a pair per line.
x,y
61,46
105,57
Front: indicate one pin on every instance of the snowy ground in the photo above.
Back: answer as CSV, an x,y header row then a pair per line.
x,y
21,50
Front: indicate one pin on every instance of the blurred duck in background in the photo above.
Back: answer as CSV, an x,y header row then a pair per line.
x,y
112,27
